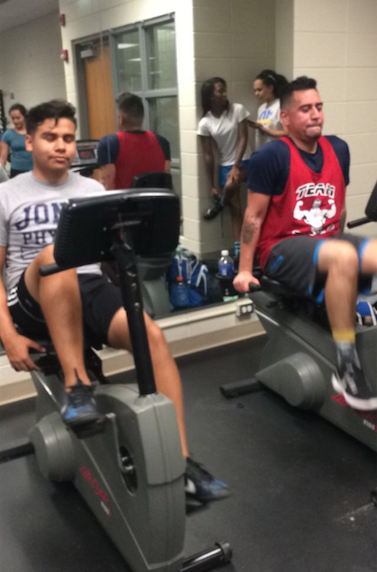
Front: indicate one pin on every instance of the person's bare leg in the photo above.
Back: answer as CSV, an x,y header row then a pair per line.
x,y
339,259
234,202
369,259
59,297
165,371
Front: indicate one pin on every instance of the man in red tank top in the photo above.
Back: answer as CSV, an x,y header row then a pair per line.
x,y
294,220
131,151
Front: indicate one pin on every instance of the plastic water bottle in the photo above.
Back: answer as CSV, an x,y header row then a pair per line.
x,y
179,296
225,276
226,264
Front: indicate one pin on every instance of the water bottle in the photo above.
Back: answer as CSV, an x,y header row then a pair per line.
x,y
226,264
225,276
179,296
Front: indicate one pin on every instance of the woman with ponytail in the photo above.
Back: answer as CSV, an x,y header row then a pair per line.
x,y
268,86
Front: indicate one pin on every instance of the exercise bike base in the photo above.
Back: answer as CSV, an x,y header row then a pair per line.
x,y
208,559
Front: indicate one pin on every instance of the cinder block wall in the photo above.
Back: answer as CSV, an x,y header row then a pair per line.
x,y
336,43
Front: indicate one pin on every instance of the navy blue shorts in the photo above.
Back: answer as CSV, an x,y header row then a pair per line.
x,y
100,298
293,262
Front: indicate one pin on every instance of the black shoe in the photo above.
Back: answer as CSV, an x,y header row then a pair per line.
x,y
80,407
201,485
213,211
350,381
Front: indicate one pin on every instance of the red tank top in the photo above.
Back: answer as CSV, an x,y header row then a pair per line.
x,y
310,205
138,153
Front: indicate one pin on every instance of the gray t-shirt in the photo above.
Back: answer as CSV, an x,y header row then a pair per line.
x,y
29,215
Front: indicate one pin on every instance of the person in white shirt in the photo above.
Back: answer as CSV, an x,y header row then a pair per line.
x,y
267,88
223,127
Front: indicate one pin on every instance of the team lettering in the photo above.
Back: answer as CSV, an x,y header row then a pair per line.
x,y
40,214
312,190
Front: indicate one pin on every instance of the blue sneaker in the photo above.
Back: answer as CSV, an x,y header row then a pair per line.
x,y
201,485
81,407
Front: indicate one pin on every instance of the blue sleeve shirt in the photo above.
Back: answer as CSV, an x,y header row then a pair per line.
x,y
269,166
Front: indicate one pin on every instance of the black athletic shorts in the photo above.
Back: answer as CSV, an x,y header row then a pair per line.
x,y
100,298
293,262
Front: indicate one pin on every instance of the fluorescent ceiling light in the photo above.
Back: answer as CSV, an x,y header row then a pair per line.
x,y
134,60
125,46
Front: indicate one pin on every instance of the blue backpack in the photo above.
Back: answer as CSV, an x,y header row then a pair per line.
x,y
195,276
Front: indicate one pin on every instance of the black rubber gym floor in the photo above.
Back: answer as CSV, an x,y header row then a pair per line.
x,y
300,488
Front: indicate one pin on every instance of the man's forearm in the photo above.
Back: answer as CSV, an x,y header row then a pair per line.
x,y
7,328
107,177
240,151
249,241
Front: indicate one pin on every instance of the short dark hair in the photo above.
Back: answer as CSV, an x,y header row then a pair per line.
x,y
54,109
207,91
278,81
131,105
18,107
301,83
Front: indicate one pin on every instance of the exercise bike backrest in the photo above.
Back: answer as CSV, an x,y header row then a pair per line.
x,y
154,179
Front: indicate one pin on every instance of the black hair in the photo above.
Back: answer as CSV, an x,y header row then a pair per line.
x,y
54,109
278,81
207,92
18,107
131,105
301,83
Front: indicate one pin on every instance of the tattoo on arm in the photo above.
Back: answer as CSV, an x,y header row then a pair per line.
x,y
248,231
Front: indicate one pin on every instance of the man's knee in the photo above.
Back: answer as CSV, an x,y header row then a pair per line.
x,y
339,256
156,338
47,253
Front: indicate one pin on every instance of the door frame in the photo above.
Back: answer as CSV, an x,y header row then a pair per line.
x,y
80,74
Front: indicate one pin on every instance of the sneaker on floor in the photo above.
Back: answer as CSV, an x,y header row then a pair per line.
x,y
80,407
213,211
201,485
350,381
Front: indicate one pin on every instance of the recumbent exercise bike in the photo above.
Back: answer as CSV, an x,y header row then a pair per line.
x,y
300,356
130,469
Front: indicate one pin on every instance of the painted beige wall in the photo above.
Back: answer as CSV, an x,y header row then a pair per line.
x,y
234,39
336,43
30,65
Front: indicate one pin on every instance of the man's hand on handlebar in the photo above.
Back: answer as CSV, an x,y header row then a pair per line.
x,y
17,350
243,280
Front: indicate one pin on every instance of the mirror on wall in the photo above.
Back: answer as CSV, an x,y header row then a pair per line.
x,y
140,58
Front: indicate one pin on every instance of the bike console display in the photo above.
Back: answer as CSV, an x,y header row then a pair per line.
x,y
147,218
86,158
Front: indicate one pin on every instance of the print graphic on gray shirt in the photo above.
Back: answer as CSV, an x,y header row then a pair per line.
x,y
29,215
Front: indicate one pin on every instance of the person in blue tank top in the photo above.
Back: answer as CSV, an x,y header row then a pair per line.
x,y
13,140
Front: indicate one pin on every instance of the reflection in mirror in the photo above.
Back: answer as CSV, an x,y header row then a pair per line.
x,y
164,51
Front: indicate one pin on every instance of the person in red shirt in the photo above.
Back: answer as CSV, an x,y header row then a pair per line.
x,y
294,221
132,151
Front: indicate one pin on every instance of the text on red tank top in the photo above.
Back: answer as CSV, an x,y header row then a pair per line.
x,y
310,205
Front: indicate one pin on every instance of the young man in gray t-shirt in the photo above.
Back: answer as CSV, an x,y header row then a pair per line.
x,y
60,304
